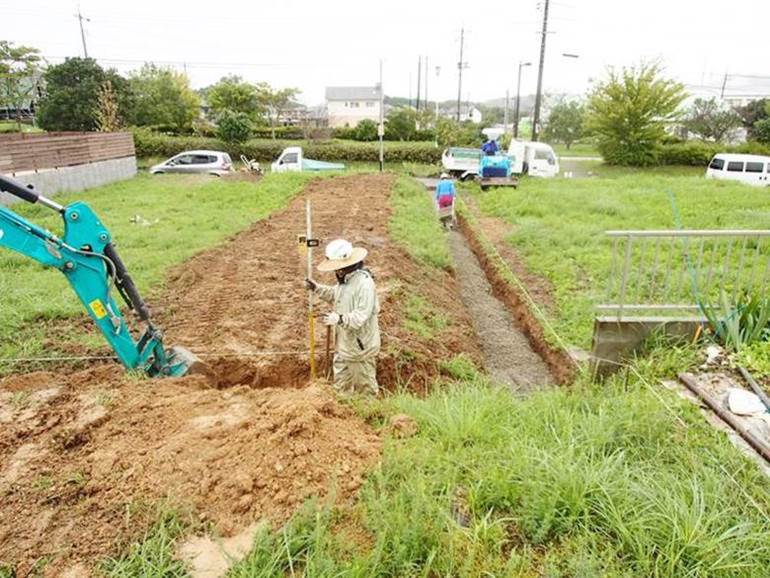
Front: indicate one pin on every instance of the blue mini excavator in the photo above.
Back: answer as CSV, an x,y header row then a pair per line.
x,y
88,259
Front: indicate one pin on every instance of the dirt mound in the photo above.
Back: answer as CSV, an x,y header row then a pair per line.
x,y
75,458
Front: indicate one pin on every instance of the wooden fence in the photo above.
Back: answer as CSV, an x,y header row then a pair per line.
x,y
32,152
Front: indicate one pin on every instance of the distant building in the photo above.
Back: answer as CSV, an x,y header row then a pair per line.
x,y
349,105
467,112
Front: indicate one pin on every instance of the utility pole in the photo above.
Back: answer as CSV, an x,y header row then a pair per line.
x,y
80,18
724,86
419,78
505,114
460,65
381,126
539,94
426,83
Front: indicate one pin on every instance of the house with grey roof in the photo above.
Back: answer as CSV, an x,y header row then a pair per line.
x,y
349,105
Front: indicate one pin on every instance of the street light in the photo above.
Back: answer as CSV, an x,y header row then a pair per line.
x,y
518,97
435,122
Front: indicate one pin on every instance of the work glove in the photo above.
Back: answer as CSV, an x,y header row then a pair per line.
x,y
332,318
310,284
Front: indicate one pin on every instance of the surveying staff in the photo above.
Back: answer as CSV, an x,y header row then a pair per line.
x,y
353,317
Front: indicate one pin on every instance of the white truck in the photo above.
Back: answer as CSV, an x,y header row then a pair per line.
x,y
292,159
536,159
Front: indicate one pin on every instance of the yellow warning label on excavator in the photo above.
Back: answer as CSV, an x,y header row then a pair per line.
x,y
98,308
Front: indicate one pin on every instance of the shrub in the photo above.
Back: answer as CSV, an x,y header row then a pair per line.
x,y
234,127
148,143
699,153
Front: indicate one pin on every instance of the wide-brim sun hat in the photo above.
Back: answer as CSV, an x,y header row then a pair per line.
x,y
341,254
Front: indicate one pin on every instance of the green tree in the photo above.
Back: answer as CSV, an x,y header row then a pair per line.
x,y
565,123
449,132
163,97
71,96
761,130
752,113
629,111
19,67
234,127
401,123
710,120
366,130
234,94
274,101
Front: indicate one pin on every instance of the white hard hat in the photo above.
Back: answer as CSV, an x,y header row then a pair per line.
x,y
340,253
444,175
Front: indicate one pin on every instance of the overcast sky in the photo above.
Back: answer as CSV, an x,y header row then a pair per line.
x,y
310,44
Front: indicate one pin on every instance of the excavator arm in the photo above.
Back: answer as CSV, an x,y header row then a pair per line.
x,y
86,256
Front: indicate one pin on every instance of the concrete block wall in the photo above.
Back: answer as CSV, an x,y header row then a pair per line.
x,y
49,182
616,341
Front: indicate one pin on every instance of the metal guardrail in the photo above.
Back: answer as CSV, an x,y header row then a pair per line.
x,y
667,273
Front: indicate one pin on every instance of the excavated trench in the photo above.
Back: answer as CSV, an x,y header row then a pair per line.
x,y
508,356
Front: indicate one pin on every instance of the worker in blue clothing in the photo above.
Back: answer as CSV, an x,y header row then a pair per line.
x,y
490,147
445,200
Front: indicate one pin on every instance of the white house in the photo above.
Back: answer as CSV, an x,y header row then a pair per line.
x,y
348,105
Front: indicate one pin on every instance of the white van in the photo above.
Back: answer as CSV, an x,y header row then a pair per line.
x,y
536,159
749,169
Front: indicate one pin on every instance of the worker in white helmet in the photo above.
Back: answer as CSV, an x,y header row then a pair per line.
x,y
353,316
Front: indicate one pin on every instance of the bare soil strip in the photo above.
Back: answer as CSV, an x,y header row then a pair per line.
x,y
81,451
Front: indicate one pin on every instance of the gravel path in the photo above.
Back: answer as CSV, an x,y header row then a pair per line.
x,y
508,357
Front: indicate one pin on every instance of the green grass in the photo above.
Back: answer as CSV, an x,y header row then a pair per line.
x,y
192,213
559,224
414,224
613,480
11,126
422,319
576,150
154,555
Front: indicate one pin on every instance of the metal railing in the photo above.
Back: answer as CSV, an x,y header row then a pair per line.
x,y
668,273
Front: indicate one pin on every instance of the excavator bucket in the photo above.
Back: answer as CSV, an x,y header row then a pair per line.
x,y
182,361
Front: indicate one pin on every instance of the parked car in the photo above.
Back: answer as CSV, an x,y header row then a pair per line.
x,y
206,162
749,169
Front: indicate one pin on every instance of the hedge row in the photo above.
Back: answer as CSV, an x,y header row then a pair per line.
x,y
699,154
150,144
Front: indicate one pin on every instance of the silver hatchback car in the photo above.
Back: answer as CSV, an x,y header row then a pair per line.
x,y
206,162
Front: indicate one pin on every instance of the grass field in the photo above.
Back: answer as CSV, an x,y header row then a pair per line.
x,y
558,226
188,214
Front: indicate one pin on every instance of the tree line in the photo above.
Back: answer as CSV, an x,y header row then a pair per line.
x,y
81,95
633,110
